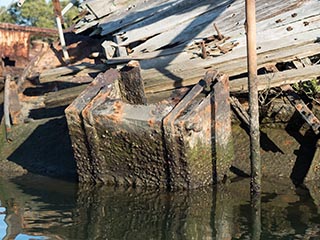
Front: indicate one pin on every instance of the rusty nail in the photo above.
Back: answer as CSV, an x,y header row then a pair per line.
x,y
203,50
220,36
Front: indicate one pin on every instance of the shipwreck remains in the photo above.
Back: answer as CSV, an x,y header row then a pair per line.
x,y
16,40
165,144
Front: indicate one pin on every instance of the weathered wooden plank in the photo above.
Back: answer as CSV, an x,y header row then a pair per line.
x,y
278,78
32,64
201,27
15,105
125,17
101,8
63,97
181,33
302,108
156,25
81,27
120,50
184,75
264,81
51,74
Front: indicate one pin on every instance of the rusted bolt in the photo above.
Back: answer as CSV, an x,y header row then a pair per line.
x,y
191,126
289,28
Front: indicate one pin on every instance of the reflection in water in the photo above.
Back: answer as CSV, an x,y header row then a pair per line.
x,y
39,208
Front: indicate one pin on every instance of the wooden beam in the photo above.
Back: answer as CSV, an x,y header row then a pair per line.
x,y
63,97
131,84
31,65
253,97
51,74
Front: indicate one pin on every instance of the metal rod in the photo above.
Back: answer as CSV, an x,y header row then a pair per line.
x,y
253,97
62,40
68,7
20,3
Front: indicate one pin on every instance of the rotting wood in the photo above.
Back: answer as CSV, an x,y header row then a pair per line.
x,y
165,38
255,157
51,74
277,79
63,97
302,108
242,113
115,21
155,77
109,49
131,84
15,105
298,103
31,65
120,50
186,15
6,107
103,8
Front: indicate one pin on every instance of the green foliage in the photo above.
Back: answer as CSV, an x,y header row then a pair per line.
x,y
5,16
36,13
310,88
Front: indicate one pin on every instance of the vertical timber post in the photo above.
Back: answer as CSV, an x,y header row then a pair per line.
x,y
59,21
221,118
254,119
131,84
253,97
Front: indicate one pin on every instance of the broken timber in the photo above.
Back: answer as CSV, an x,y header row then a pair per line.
x,y
120,143
165,35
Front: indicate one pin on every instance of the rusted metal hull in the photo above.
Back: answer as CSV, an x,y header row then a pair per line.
x,y
15,41
165,145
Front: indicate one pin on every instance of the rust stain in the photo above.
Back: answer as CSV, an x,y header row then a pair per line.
x,y
151,122
15,40
116,116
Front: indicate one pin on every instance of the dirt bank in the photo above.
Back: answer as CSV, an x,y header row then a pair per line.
x,y
41,146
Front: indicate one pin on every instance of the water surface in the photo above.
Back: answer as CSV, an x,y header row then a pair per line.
x,y
35,207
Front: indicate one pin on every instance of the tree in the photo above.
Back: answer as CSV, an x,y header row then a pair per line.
x,y
36,13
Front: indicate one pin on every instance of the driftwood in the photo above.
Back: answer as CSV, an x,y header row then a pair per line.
x,y
131,84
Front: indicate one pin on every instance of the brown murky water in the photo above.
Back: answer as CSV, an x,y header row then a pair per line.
x,y
34,207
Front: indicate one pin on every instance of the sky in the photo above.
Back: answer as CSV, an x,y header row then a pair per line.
x,y
5,3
